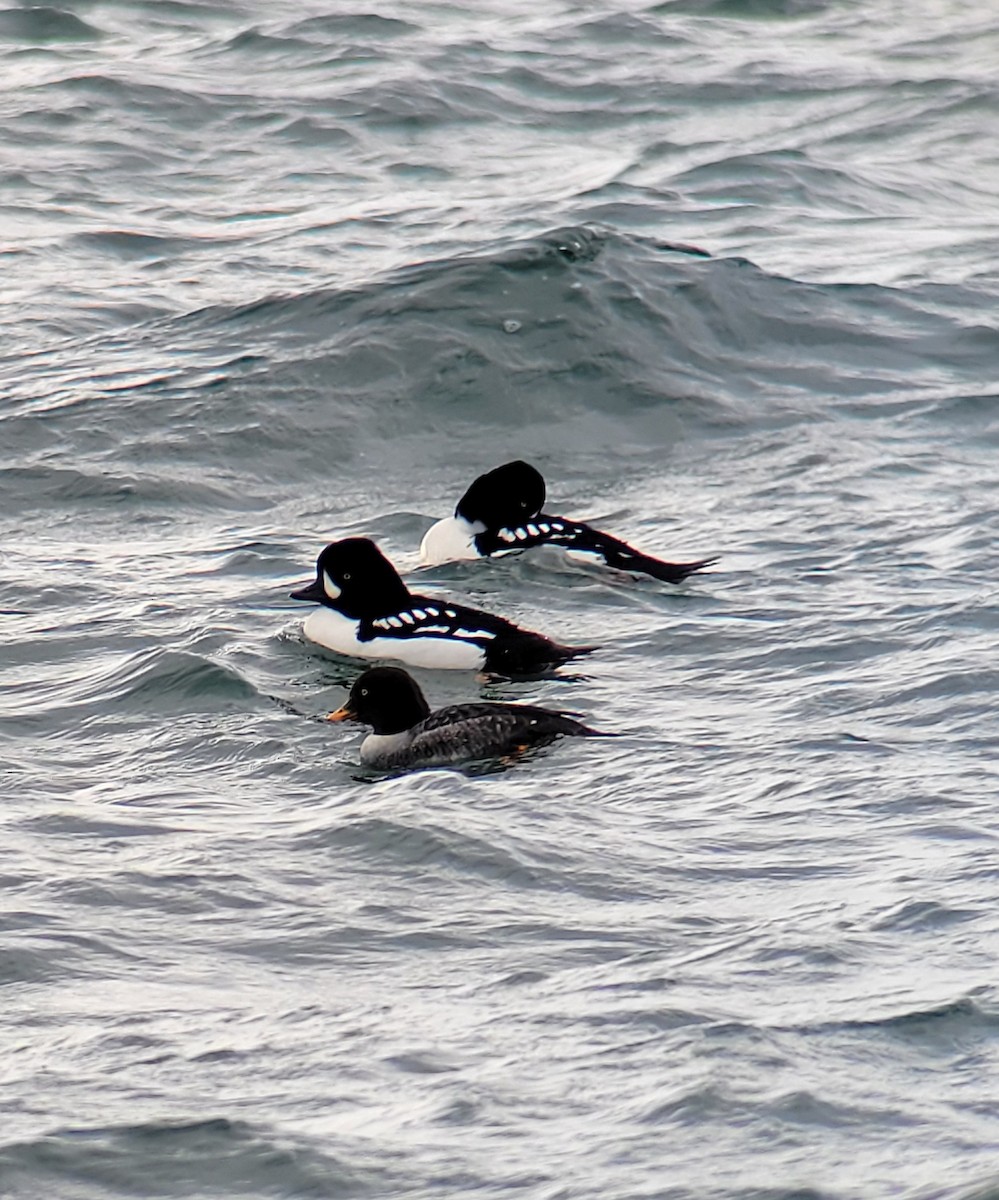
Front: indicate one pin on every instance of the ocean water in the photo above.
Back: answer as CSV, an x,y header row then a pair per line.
x,y
728,272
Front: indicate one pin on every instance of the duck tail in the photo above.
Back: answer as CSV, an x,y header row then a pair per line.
x,y
668,572
563,654
623,557
531,657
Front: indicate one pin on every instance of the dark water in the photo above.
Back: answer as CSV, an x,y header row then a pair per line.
x,y
274,275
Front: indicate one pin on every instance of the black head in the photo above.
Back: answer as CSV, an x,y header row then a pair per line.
x,y
355,578
386,698
504,497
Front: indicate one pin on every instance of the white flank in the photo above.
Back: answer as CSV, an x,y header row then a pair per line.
x,y
585,556
434,653
332,630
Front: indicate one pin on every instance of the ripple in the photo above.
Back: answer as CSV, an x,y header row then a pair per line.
x,y
726,272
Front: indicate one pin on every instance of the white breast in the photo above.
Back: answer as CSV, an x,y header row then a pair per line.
x,y
376,747
451,539
326,627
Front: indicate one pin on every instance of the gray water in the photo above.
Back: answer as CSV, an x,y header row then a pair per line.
x,y
275,274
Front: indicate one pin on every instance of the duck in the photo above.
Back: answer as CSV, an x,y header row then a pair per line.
x,y
500,514
367,611
405,733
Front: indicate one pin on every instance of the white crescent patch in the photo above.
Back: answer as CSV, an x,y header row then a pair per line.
x,y
329,587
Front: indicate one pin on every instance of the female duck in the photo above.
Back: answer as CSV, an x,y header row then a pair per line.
x,y
405,733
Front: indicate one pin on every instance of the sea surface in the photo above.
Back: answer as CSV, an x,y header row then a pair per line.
x,y
727,271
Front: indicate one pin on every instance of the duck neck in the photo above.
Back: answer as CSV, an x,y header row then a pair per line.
x,y
405,712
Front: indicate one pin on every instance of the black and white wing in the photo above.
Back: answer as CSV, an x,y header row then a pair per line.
x,y
432,633
426,617
579,538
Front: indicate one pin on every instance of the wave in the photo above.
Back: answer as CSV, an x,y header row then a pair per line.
x,y
213,1155
44,25
567,341
155,680
441,848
